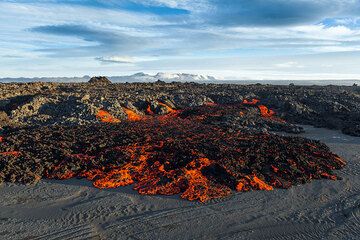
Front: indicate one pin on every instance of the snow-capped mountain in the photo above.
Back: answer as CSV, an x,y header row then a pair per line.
x,y
137,77
183,77
168,77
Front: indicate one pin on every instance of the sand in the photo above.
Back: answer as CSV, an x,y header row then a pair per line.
x,y
73,209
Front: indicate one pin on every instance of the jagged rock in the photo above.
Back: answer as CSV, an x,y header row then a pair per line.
x,y
4,119
101,80
160,82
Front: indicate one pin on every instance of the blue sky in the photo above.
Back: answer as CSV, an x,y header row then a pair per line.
x,y
230,39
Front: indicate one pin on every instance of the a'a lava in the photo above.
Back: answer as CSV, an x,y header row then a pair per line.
x,y
132,115
186,152
106,117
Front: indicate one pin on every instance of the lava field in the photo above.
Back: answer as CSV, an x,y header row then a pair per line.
x,y
45,104
199,151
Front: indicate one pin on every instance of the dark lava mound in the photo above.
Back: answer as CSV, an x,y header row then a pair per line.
x,y
191,152
101,80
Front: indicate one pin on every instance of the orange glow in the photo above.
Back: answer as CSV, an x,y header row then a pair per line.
x,y
339,159
275,169
186,154
67,175
169,109
199,187
12,153
254,101
242,186
329,176
149,111
210,104
115,178
1,139
132,116
266,112
252,182
106,117
261,185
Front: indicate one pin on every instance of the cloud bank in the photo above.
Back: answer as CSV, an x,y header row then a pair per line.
x,y
229,39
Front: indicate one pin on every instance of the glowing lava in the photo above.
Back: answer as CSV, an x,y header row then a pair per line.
x,y
266,112
149,111
168,109
188,153
106,117
132,116
254,101
11,153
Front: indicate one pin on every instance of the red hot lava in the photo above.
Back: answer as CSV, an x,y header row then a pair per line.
x,y
106,117
254,101
187,153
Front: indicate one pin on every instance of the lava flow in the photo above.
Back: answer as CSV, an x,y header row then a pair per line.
x,y
132,115
11,153
106,117
265,111
196,153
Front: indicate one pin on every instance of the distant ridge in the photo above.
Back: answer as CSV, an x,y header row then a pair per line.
x,y
137,77
182,77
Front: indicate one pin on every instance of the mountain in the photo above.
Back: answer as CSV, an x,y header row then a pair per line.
x,y
46,79
183,77
168,77
137,77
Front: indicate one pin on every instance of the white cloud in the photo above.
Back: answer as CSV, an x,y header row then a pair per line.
x,y
124,59
290,64
116,59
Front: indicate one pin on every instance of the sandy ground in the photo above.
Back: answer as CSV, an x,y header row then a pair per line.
x,y
73,209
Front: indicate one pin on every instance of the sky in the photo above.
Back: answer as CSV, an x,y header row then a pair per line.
x,y
228,39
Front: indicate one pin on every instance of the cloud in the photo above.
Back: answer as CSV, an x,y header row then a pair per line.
x,y
116,59
127,60
183,34
276,12
12,56
105,41
290,64
153,7
80,31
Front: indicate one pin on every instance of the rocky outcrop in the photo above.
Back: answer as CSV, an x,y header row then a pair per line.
x,y
101,80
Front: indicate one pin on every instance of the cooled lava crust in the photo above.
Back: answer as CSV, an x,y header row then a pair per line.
x,y
185,152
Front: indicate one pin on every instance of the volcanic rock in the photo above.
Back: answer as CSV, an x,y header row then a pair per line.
x,y
201,153
202,141
335,107
4,119
101,80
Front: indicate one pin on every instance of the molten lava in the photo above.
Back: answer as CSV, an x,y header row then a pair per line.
x,y
149,111
11,153
188,153
168,109
132,115
266,112
254,101
106,117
